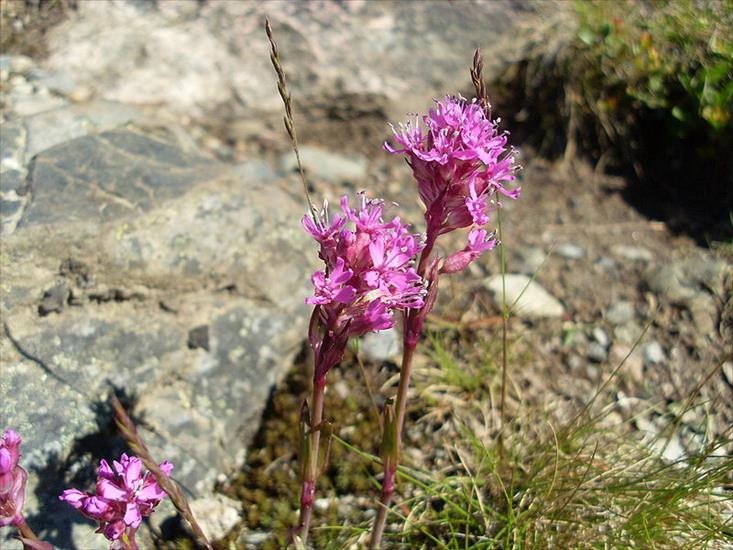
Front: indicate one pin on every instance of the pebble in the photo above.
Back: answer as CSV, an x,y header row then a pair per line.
x,y
378,347
728,372
216,514
597,353
600,336
321,504
604,264
652,353
633,253
633,365
529,298
620,313
704,310
682,280
532,260
627,333
570,251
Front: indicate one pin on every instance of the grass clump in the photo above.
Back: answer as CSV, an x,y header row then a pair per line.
x,y
577,488
24,24
645,88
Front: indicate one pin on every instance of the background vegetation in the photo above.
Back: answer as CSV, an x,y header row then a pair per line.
x,y
644,88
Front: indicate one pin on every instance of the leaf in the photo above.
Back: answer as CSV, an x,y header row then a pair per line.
x,y
587,36
679,114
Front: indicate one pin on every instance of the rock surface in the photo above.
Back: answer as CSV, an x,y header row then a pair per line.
x,y
216,515
127,242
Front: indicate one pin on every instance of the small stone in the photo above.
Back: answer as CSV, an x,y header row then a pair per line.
x,y
633,253
670,282
627,333
529,298
378,347
8,208
597,353
600,336
728,372
652,353
704,310
56,81
255,170
632,361
29,105
620,313
532,259
574,362
570,251
216,515
604,264
254,539
199,337
20,64
321,504
54,299
13,181
341,388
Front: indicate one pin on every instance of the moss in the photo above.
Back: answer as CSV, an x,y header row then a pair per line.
x,y
268,485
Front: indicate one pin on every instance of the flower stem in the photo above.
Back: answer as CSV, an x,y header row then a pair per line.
x,y
29,539
390,467
310,471
411,335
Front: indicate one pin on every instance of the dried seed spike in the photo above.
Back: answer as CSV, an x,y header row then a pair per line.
x,y
282,89
478,82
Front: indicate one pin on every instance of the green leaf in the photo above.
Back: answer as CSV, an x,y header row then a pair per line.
x,y
679,114
587,36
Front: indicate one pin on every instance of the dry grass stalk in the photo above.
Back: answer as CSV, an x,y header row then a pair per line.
x,y
282,89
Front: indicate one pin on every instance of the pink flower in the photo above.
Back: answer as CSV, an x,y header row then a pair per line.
x,y
12,480
125,494
368,271
369,275
459,161
478,243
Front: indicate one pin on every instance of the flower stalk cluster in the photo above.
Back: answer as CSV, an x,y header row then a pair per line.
x,y
461,164
367,278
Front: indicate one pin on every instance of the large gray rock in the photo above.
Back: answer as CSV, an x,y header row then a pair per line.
x,y
397,55
127,244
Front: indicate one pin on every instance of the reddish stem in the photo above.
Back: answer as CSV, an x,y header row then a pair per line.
x,y
310,472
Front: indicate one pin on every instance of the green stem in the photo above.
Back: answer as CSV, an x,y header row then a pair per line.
x,y
390,467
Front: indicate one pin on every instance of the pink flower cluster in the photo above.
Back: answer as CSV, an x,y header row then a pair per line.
x,y
369,274
460,163
123,497
12,480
